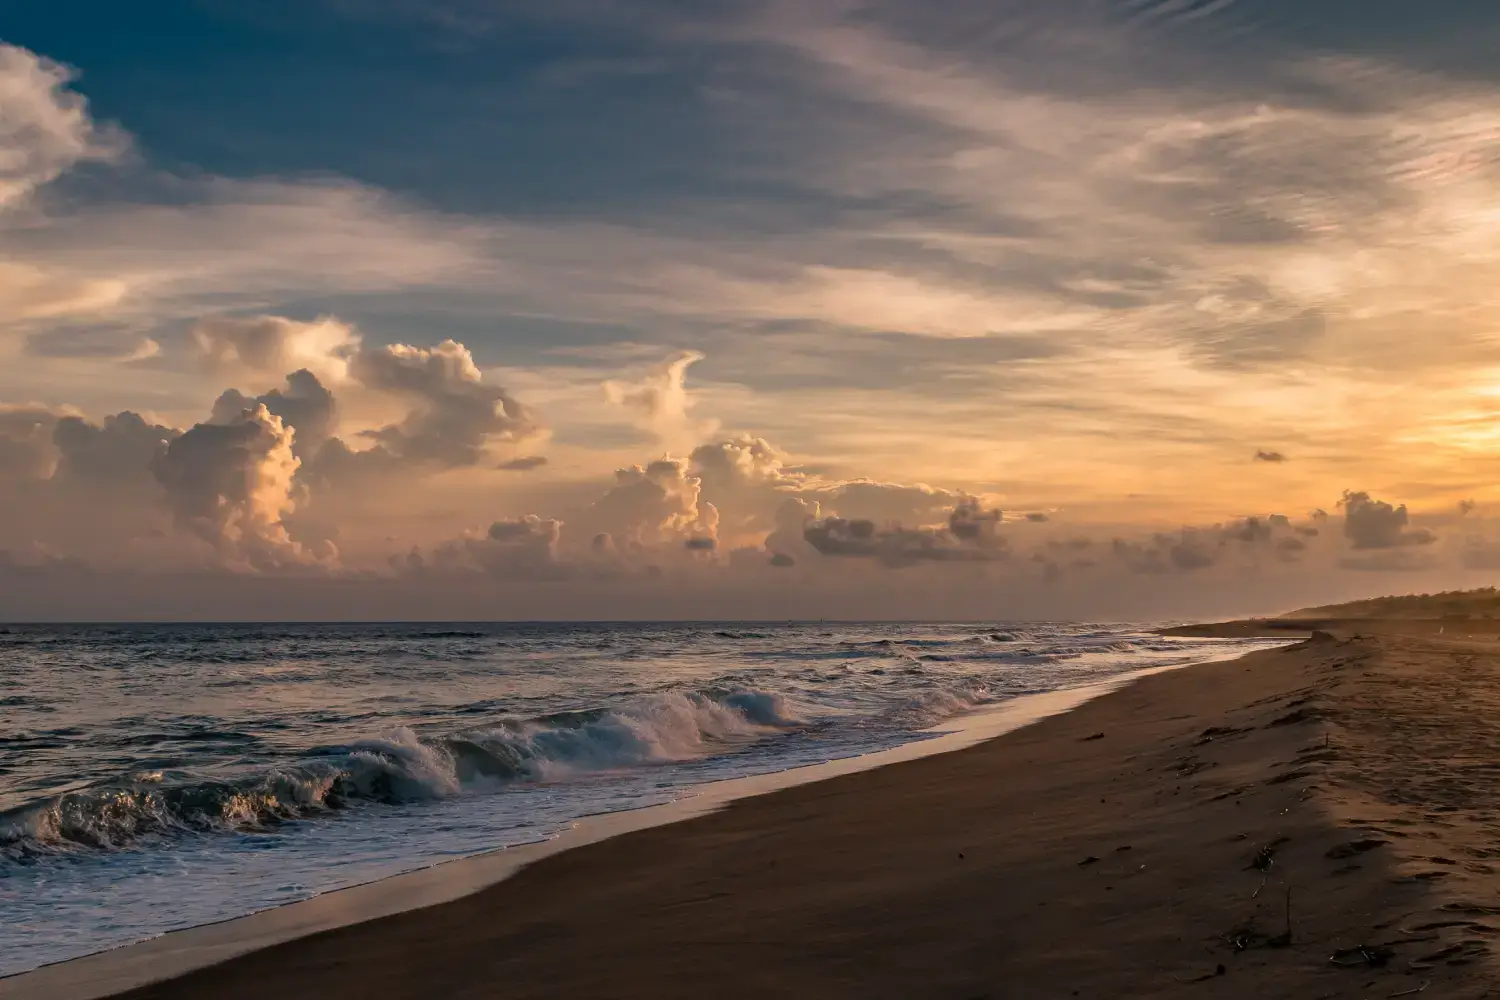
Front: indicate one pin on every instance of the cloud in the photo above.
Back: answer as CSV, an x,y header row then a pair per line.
x,y
1480,553
456,416
659,402
1375,524
523,464
26,449
1238,544
36,563
305,406
787,541
969,536
274,345
121,449
746,480
873,500
230,484
32,294
1183,552
45,127
653,505
169,247
1274,457
104,341
742,461
524,548
971,523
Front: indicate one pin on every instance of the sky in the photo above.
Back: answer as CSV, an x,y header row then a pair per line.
x,y
483,309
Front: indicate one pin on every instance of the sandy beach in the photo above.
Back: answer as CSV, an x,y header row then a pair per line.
x,y
1315,821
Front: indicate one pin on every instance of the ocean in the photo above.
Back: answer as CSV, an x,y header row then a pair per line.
x,y
157,777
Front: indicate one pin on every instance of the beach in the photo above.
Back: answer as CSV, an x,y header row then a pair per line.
x,y
1313,821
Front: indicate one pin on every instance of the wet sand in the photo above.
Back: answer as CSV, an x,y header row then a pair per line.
x,y
1319,821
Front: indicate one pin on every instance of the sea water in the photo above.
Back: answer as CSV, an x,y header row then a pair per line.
x,y
156,777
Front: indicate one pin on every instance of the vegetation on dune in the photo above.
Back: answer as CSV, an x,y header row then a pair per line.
x,y
1482,603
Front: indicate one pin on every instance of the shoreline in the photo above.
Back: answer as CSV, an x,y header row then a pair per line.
x,y
115,970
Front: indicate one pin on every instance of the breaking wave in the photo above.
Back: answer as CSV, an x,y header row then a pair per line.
x,y
402,766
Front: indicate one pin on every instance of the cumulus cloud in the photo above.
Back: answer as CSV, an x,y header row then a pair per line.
x,y
521,548
1375,524
787,541
230,484
653,505
969,536
746,480
741,461
1183,551
305,405
45,127
273,345
455,417
659,402
26,448
872,500
1247,541
971,522
122,448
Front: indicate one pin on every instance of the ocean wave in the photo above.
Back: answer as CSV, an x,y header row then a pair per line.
x,y
398,767
930,707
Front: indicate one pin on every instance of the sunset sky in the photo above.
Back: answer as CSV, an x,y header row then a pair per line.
x,y
745,308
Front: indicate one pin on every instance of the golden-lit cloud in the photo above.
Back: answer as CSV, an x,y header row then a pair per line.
x,y
1021,333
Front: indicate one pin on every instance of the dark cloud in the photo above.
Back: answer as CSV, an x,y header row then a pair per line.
x,y
122,448
1183,551
1244,540
1375,524
524,464
969,536
305,405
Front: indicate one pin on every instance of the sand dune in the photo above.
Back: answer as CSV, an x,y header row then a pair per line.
x,y
1319,821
